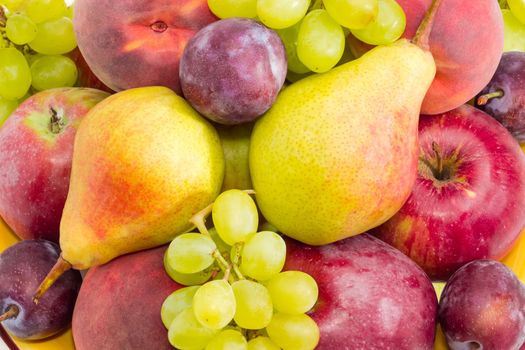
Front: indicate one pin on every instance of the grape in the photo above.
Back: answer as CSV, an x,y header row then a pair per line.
x,y
353,14
263,255
20,29
289,38
54,37
175,303
320,42
190,253
293,331
222,246
254,306
6,108
12,5
233,8
293,292
53,71
387,27
188,279
15,76
262,343
518,9
228,339
44,10
235,216
278,14
514,32
186,333
69,12
214,304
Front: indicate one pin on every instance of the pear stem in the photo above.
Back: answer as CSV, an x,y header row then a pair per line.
x,y
12,311
199,219
484,99
422,36
58,270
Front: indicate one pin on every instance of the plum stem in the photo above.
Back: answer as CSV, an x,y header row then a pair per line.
x,y
422,36
484,99
199,219
58,270
12,311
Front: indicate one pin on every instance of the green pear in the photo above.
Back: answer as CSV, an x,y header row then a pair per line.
x,y
337,153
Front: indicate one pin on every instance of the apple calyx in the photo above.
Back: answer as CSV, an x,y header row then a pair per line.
x,y
422,36
484,99
440,169
56,122
12,311
61,266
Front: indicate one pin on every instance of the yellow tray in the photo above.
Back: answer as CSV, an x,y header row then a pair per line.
x,y
64,341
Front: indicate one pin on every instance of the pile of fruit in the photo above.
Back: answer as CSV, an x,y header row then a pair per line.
x,y
263,174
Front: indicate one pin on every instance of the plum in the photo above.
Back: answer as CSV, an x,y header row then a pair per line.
x,y
483,307
232,70
22,267
504,96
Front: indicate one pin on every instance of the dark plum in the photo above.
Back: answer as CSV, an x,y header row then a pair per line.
x,y
232,70
22,267
483,307
504,97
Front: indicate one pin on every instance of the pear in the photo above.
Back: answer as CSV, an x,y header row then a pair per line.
x,y
337,153
144,163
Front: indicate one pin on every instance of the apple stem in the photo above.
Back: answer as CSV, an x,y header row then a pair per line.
x,y
58,270
12,311
484,99
56,123
422,36
439,160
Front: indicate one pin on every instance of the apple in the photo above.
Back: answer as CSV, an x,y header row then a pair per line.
x,y
468,199
371,296
483,307
36,144
137,43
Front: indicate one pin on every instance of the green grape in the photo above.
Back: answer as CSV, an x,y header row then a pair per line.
x,y
53,71
175,303
293,292
518,9
6,108
278,14
353,14
503,4
233,8
262,343
293,331
289,39
320,42
188,279
12,5
228,339
70,11
214,304
263,255
387,27
222,246
190,253
54,37
514,32
235,216
20,29
15,75
254,305
44,10
186,333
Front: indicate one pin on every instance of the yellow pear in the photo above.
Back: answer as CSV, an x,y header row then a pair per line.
x,y
337,153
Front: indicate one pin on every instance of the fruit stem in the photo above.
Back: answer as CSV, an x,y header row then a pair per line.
x,y
58,269
12,311
484,99
56,123
199,219
439,167
224,265
422,36
235,260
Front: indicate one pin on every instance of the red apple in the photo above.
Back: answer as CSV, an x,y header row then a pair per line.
x,y
370,295
467,202
137,43
36,144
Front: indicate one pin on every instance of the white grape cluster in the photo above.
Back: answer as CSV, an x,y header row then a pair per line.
x,y
314,32
237,296
35,35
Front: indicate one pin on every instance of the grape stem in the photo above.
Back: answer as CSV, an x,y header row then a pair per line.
x,y
235,260
484,99
224,265
199,219
12,311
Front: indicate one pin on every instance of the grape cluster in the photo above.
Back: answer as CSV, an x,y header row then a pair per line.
x,y
236,289
314,32
513,12
34,36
